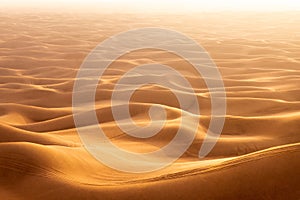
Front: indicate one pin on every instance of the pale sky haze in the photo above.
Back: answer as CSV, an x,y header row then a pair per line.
x,y
156,5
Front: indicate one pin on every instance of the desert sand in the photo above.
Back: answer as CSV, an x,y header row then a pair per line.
x,y
256,157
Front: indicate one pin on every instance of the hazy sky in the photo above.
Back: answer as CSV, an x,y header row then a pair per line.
x,y
156,5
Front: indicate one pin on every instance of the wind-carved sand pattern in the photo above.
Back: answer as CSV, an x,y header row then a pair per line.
x,y
256,156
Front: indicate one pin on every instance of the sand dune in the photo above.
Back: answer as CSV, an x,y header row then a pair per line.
x,y
256,157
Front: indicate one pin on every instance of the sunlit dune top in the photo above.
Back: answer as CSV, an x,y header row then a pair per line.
x,y
167,6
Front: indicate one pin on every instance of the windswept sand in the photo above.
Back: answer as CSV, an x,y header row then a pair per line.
x,y
256,157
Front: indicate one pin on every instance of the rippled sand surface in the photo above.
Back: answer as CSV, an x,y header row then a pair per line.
x,y
256,157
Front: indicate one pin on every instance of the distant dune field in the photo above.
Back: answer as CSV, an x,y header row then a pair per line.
x,y
256,157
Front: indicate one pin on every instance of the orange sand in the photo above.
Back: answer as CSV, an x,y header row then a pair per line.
x,y
256,157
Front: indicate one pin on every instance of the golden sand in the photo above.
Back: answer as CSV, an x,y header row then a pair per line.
x,y
256,157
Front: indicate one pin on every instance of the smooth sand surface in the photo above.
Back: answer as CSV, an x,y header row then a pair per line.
x,y
256,157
